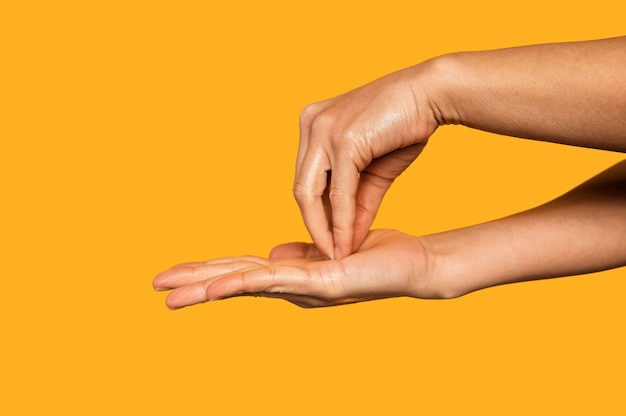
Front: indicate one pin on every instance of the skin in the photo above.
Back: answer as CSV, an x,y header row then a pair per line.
x,y
583,231
353,146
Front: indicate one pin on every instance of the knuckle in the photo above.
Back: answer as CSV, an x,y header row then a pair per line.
x,y
326,125
339,231
323,122
351,145
272,274
300,192
362,210
336,195
308,113
340,193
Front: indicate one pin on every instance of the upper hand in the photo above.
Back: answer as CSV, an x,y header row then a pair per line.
x,y
388,263
351,149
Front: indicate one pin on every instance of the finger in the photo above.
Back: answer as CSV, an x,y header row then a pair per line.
x,y
219,260
194,272
319,280
372,189
374,182
309,189
307,116
343,189
195,292
295,250
278,279
188,264
253,259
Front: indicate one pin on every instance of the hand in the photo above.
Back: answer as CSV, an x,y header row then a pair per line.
x,y
352,147
388,263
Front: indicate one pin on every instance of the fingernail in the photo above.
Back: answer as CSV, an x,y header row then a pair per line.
x,y
337,253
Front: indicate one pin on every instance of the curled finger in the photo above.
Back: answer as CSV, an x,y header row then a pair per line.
x,y
343,190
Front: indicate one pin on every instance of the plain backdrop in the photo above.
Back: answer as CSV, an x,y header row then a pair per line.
x,y
136,135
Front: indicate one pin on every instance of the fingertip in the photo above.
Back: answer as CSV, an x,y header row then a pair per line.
x,y
325,244
163,281
323,241
342,251
170,304
157,283
343,240
329,253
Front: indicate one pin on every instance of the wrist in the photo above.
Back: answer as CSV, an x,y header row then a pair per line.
x,y
446,273
434,271
436,81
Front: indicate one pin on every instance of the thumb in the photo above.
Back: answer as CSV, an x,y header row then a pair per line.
x,y
374,181
295,250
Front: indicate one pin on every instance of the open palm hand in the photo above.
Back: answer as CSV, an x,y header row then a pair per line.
x,y
388,264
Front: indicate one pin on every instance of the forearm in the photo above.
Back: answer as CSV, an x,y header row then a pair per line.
x,y
581,232
571,93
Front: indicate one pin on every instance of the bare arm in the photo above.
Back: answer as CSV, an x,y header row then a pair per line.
x,y
572,93
581,232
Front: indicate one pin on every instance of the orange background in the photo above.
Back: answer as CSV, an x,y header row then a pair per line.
x,y
137,135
